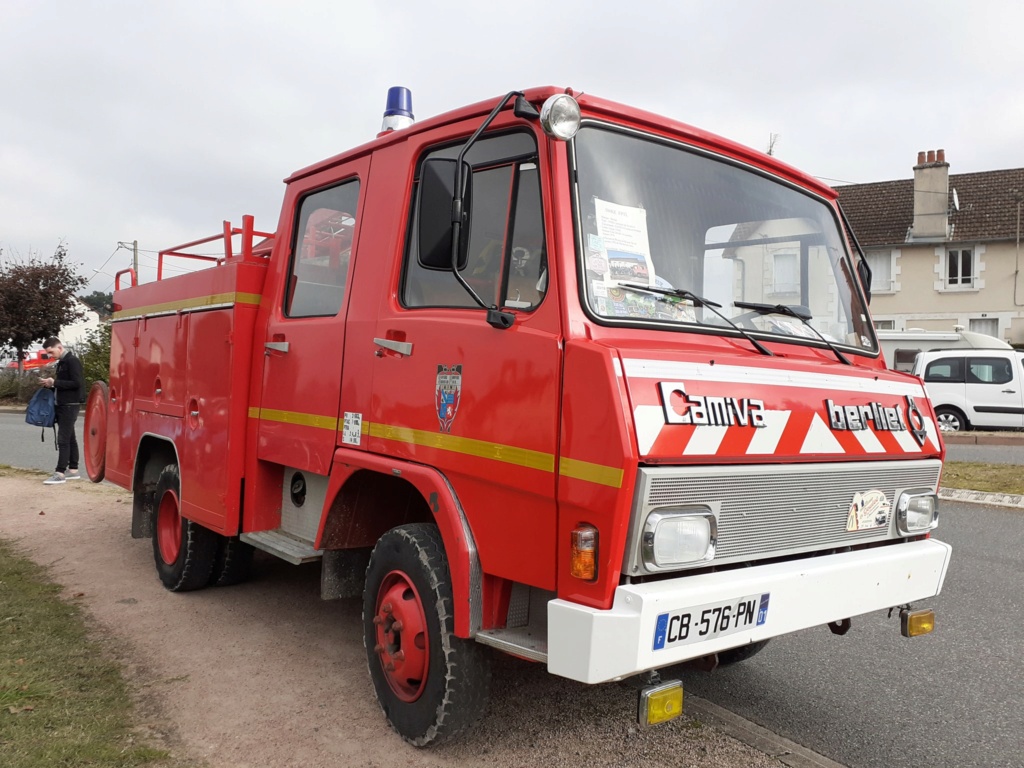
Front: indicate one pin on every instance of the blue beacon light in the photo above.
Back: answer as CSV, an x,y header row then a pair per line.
x,y
398,111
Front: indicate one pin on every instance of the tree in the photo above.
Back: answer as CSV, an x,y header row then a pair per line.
x,y
37,299
101,303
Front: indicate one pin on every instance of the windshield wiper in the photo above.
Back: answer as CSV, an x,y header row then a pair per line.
x,y
801,313
700,301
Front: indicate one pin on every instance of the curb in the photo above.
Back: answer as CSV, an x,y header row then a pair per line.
x,y
787,752
983,497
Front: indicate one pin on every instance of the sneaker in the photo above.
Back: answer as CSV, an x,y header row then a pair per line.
x,y
72,474
55,479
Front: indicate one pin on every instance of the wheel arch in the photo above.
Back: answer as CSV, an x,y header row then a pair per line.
x,y
153,454
360,483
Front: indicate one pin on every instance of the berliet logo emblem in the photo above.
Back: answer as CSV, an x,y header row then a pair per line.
x,y
884,418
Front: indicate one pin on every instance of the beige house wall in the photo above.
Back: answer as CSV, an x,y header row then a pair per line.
x,y
922,300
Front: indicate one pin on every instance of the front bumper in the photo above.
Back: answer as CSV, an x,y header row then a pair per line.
x,y
595,646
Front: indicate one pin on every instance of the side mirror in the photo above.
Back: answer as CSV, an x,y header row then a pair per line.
x,y
864,273
439,211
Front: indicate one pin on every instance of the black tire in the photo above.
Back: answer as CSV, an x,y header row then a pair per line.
x,y
442,686
744,652
184,551
951,419
233,562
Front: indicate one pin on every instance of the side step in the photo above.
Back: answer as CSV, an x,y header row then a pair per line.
x,y
283,545
523,642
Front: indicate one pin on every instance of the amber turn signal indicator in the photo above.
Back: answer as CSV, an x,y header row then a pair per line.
x,y
914,623
583,557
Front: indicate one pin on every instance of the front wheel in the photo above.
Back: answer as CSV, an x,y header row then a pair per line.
x,y
430,683
184,551
950,419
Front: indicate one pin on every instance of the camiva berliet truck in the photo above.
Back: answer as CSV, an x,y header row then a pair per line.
x,y
545,374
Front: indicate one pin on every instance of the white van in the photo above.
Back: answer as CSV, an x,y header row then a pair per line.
x,y
974,387
901,347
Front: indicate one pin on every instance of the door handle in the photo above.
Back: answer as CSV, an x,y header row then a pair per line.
x,y
401,347
1009,391
277,346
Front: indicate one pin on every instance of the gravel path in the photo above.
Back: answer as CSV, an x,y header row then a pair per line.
x,y
266,674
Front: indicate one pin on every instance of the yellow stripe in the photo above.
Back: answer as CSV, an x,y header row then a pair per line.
x,y
592,473
508,454
293,417
198,302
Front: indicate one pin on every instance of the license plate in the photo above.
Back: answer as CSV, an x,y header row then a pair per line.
x,y
705,622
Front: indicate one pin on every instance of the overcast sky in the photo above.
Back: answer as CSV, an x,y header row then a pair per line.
x,y
156,121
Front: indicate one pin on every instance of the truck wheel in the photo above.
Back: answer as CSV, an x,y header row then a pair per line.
x,y
233,562
744,652
430,683
184,550
951,419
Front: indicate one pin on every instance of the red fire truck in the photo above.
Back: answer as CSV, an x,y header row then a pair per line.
x,y
430,379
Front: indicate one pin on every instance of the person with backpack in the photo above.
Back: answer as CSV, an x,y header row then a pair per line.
x,y
68,383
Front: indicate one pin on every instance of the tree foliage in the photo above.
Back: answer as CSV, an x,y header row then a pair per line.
x,y
94,353
37,299
99,302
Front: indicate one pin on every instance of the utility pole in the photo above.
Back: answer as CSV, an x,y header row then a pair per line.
x,y
135,256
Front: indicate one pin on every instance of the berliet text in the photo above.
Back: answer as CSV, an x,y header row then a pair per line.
x,y
856,417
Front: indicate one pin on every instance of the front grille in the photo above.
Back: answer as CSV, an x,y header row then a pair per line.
x,y
772,510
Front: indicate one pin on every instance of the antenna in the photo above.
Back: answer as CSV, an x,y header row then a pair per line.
x,y
956,199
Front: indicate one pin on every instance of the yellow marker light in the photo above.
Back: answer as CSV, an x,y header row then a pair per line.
x,y
660,703
915,623
583,558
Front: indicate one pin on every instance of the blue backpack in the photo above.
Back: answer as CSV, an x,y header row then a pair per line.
x,y
42,411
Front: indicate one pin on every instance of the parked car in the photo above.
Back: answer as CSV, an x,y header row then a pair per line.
x,y
971,388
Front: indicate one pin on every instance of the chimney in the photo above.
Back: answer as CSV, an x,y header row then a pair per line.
x,y
931,196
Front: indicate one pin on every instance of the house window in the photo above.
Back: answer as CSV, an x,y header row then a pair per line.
x,y
786,271
881,271
960,267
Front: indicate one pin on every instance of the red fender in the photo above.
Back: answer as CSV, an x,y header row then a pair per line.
x,y
459,545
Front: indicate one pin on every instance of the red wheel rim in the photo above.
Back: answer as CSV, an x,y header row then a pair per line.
x,y
401,633
95,453
168,528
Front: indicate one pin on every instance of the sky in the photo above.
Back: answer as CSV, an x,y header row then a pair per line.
x,y
155,121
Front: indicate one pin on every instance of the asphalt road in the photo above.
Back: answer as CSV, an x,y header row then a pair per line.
x,y
873,699
990,454
20,445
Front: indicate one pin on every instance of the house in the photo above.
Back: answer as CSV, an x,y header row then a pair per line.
x,y
944,248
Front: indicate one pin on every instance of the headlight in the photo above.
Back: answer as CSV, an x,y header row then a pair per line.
x,y
917,512
560,116
675,537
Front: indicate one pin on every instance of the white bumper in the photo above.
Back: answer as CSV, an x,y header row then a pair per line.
x,y
594,646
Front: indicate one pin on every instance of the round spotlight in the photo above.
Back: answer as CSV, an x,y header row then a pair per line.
x,y
560,117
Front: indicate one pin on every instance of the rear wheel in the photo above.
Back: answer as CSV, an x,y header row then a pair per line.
x,y
951,419
233,562
744,652
430,683
184,551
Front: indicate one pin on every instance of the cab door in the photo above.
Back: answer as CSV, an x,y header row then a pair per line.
x,y
304,342
481,403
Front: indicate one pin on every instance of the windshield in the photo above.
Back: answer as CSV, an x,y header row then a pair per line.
x,y
654,214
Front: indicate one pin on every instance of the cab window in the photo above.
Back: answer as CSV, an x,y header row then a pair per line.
x,y
507,264
321,251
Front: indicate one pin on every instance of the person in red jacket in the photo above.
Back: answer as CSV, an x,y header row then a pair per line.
x,y
68,383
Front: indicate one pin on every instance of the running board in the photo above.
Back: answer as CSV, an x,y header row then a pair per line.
x,y
523,642
283,545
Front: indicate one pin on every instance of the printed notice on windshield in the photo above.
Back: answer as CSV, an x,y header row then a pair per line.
x,y
623,234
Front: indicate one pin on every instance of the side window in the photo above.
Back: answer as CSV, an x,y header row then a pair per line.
x,y
989,370
506,260
945,369
320,254
904,359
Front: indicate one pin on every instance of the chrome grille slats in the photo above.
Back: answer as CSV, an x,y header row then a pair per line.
x,y
780,509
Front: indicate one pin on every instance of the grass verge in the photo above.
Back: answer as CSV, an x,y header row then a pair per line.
x,y
974,476
63,702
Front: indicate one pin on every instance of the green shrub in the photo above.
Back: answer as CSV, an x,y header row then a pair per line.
x,y
94,353
8,385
